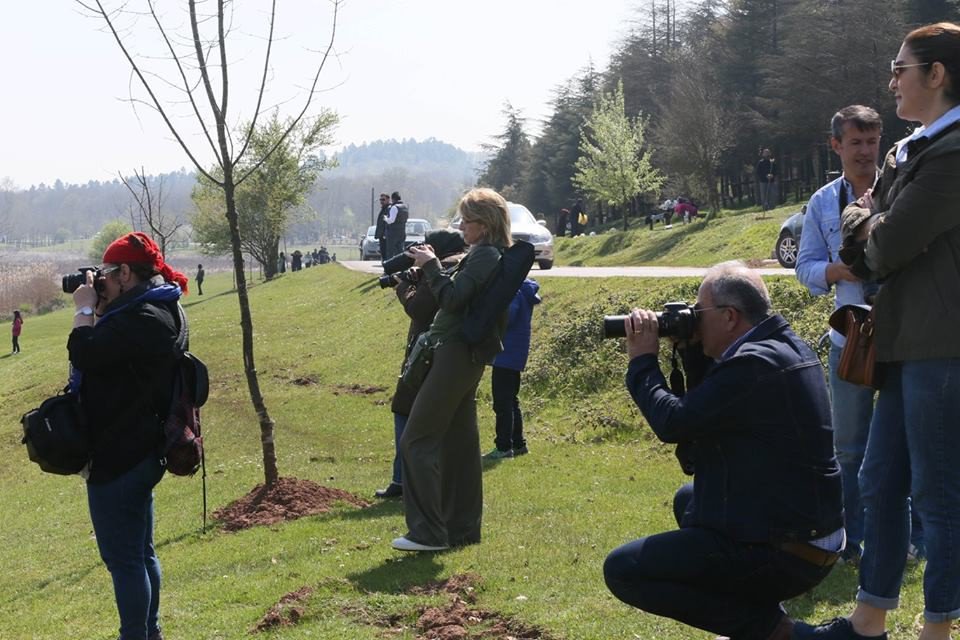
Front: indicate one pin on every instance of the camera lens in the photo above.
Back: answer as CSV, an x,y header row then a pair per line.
x,y
613,327
399,262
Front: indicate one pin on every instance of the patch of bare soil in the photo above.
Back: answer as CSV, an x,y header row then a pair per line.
x,y
356,389
287,499
457,620
306,381
288,611
461,584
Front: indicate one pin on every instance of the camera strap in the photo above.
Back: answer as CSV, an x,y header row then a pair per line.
x,y
677,384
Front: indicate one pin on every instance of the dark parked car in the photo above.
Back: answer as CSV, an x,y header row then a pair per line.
x,y
788,242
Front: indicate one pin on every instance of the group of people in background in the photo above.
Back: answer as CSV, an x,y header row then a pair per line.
x,y
300,260
391,227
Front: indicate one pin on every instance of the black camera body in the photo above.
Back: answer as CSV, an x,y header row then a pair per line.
x,y
72,282
392,280
399,262
677,320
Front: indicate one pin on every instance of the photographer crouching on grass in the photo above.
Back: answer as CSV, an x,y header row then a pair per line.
x,y
762,521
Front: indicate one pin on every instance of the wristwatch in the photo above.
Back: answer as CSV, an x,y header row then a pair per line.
x,y
84,311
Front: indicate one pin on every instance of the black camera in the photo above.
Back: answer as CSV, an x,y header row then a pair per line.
x,y
677,320
72,282
392,280
399,262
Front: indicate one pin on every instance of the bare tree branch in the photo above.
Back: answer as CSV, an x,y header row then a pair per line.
x,y
136,69
313,90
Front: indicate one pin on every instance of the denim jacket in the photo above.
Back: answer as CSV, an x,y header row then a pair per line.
x,y
762,441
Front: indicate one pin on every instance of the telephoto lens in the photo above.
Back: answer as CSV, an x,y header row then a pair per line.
x,y
677,320
399,262
613,327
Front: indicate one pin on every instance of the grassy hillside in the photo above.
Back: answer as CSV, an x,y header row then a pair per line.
x,y
594,479
735,235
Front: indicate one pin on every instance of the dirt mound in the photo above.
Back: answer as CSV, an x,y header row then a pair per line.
x,y
357,389
287,499
457,621
287,611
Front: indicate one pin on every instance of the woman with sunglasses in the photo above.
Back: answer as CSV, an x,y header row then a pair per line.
x,y
440,446
907,235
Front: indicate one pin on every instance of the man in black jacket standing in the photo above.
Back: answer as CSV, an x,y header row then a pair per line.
x,y
762,521
396,226
380,232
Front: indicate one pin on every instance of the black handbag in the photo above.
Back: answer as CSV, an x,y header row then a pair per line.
x,y
418,363
57,435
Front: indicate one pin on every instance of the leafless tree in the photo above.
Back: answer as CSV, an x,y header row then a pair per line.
x,y
147,208
201,75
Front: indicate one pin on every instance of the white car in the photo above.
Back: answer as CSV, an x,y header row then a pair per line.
x,y
523,226
416,229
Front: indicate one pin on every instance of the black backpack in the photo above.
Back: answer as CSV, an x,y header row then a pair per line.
x,y
57,435
486,308
183,441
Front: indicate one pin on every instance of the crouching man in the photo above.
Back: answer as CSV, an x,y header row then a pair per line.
x,y
762,521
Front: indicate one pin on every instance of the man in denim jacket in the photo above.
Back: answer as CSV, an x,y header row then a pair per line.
x,y
763,520
855,138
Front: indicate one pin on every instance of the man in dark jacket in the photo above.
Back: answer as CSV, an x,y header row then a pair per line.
x,y
396,226
380,232
762,521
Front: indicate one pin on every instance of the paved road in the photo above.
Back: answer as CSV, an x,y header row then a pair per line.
x,y
372,266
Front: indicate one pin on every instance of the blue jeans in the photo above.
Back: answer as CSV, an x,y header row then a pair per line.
x,y
122,515
912,448
707,580
852,409
399,422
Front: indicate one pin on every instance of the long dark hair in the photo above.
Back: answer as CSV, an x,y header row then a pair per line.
x,y
939,42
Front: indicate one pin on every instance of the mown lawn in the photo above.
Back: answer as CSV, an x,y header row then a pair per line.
x,y
594,478
734,235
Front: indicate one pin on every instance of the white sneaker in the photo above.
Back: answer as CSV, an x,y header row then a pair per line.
x,y
403,544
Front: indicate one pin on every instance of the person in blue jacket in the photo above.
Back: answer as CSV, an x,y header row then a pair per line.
x,y
506,374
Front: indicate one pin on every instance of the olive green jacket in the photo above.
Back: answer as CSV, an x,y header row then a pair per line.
x,y
455,292
914,249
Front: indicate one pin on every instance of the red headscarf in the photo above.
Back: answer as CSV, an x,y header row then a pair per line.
x,y
139,248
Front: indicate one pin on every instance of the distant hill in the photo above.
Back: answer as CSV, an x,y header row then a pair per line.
x,y
429,174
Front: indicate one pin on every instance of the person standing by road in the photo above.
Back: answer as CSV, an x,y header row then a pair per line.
x,y
380,231
767,171
855,138
16,330
396,224
199,279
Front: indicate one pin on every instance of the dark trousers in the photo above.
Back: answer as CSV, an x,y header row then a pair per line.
x,y
16,344
440,453
506,406
395,244
705,579
199,287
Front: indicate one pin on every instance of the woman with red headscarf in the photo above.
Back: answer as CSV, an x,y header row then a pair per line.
x,y
123,346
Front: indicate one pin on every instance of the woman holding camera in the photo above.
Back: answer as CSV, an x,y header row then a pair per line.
x,y
909,234
122,351
440,446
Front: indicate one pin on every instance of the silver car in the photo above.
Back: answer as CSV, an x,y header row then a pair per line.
x,y
523,226
416,229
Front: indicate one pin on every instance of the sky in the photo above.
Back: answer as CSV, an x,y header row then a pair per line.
x,y
400,69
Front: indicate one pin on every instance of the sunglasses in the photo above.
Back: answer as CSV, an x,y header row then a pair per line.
x,y
897,69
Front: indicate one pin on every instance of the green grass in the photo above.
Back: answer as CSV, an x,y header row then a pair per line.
x,y
594,479
734,235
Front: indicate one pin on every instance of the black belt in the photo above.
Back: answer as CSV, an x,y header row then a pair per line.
x,y
808,552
